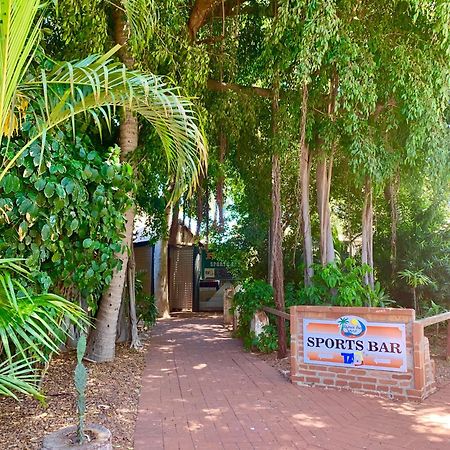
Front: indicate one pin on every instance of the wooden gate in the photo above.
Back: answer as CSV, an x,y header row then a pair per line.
x,y
181,282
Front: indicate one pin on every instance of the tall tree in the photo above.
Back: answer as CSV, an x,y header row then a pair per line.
x,y
101,343
304,180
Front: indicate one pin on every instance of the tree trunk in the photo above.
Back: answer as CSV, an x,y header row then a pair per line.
x,y
199,205
269,254
102,339
391,193
323,181
207,214
199,13
135,342
174,224
367,232
162,285
277,233
277,253
304,179
221,181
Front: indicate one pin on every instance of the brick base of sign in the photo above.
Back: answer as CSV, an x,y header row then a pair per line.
x,y
416,382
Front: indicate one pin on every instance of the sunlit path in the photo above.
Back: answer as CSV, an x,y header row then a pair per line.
x,y
201,390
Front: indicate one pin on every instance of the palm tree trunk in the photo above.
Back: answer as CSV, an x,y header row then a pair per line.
x,y
102,339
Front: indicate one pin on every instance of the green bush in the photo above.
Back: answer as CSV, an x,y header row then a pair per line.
x,y
253,295
146,309
340,285
267,341
65,217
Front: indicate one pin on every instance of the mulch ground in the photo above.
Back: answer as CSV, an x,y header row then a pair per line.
x,y
112,399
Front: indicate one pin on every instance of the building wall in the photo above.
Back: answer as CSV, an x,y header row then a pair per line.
x,y
143,260
414,384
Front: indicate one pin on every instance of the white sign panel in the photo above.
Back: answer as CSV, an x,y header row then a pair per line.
x,y
351,341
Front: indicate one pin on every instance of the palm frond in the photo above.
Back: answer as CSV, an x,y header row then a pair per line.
x,y
18,37
142,16
19,377
31,324
98,86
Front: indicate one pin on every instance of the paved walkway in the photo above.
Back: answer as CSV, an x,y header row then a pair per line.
x,y
201,390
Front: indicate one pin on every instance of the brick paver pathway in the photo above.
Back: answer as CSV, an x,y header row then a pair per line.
x,y
201,390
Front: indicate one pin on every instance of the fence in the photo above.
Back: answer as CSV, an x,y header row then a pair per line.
x,y
427,321
277,312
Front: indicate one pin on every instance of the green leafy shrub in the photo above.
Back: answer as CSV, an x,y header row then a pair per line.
x,y
253,295
65,217
145,304
432,309
340,285
146,309
267,341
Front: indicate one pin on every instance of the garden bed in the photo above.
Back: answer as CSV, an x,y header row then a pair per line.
x,y
438,347
112,400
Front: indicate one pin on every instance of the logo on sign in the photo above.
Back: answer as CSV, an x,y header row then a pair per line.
x,y
352,327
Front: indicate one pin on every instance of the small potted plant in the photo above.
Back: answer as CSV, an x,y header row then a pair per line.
x,y
82,436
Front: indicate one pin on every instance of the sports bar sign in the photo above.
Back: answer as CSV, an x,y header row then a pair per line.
x,y
351,341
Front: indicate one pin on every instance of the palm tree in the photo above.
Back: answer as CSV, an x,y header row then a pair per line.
x,y
414,280
342,322
96,86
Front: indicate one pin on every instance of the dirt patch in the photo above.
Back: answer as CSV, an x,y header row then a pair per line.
x,y
112,399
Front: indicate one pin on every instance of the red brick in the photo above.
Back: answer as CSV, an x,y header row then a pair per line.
x,y
382,388
359,372
367,379
338,369
401,377
312,379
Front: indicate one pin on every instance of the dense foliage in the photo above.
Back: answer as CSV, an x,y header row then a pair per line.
x,y
351,97
65,217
